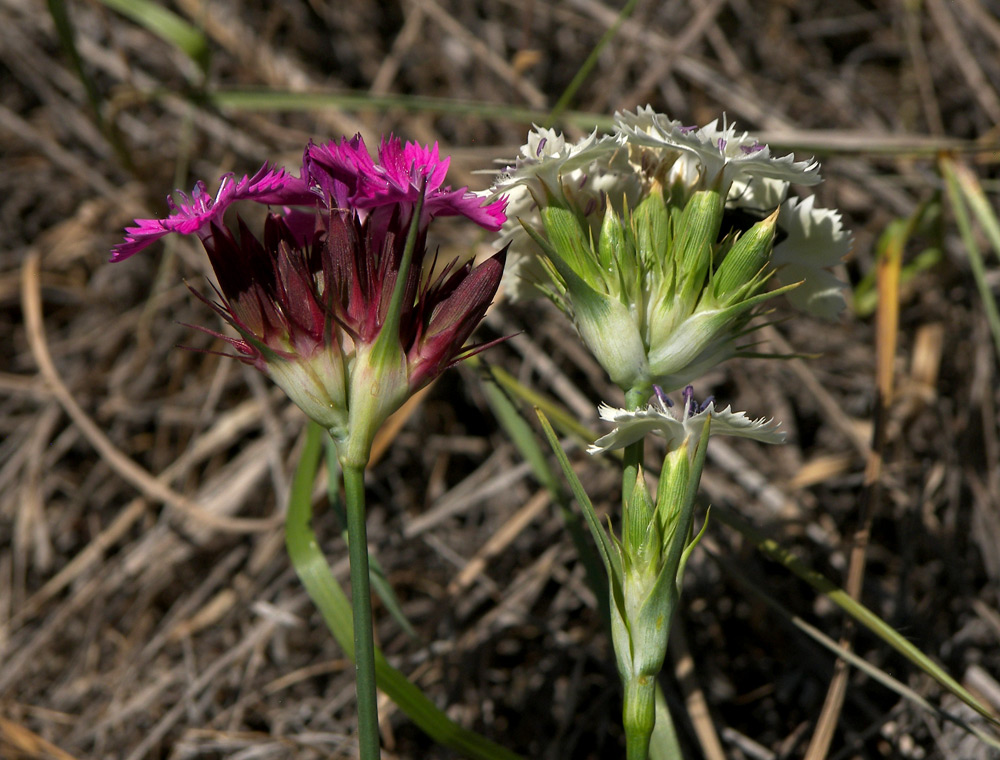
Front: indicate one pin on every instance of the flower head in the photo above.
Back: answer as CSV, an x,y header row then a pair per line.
x,y
332,301
346,177
661,418
627,234
195,213
646,565
724,154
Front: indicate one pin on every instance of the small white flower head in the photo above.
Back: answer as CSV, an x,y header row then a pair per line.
x,y
816,240
677,426
724,154
810,240
585,175
547,157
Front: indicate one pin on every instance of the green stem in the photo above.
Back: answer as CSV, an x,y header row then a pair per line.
x,y
632,459
331,601
361,600
639,716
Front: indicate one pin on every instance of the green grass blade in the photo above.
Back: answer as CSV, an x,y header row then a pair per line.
x,y
897,234
377,577
328,596
561,418
259,99
856,610
584,71
612,562
957,197
67,38
166,25
976,198
846,654
523,437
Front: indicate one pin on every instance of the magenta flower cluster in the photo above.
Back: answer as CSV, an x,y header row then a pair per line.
x,y
338,175
309,297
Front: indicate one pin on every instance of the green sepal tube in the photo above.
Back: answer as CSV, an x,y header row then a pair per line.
x,y
652,231
639,526
571,243
744,261
697,231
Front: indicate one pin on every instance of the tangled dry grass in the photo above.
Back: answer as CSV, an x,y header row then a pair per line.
x,y
147,607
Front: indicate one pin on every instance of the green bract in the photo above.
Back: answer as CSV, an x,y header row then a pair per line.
x,y
656,295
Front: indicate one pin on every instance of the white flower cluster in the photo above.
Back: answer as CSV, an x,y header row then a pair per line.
x,y
647,148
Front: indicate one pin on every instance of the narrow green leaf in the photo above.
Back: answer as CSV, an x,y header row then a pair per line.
x,y
562,419
314,572
612,561
846,654
663,744
67,38
925,220
855,609
258,99
957,196
584,71
523,437
980,206
166,25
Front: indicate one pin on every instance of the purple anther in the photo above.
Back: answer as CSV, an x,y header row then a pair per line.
x,y
541,144
583,181
591,207
686,130
722,145
662,397
706,403
689,403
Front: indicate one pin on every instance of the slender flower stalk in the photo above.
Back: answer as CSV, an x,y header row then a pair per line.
x,y
334,303
361,602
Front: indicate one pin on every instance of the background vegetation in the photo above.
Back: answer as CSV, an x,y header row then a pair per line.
x,y
147,606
